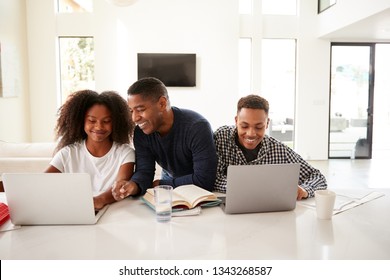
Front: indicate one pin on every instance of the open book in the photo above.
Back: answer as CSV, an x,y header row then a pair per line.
x,y
185,197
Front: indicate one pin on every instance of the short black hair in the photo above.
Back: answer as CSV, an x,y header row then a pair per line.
x,y
149,88
253,101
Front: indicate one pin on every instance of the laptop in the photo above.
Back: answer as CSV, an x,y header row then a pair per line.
x,y
261,188
50,198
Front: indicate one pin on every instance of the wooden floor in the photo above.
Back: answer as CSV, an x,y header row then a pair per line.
x,y
357,173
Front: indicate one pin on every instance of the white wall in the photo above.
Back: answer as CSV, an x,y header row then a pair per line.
x,y
312,96
14,110
207,28
42,62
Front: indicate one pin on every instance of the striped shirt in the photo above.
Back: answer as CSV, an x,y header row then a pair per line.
x,y
271,151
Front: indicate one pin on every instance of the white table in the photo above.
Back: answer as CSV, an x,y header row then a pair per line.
x,y
128,230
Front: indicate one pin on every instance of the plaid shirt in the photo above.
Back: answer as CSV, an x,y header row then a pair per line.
x,y
271,152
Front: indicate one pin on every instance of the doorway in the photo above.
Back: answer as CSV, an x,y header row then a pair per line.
x,y
354,130
351,100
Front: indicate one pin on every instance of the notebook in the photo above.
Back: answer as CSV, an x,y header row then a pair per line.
x,y
261,188
50,198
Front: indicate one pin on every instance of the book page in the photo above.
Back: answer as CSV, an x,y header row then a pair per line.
x,y
188,196
194,194
177,200
148,199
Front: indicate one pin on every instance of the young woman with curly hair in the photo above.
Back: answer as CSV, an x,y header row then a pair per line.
x,y
94,132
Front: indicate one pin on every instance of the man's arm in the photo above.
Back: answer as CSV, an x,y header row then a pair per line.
x,y
310,178
145,163
313,181
221,179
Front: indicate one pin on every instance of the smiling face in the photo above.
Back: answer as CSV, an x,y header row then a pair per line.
x,y
98,123
251,126
146,113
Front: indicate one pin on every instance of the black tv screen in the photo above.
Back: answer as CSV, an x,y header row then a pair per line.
x,y
174,70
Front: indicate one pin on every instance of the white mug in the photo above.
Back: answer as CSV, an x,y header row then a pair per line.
x,y
325,200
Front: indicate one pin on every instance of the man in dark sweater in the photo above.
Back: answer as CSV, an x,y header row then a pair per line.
x,y
179,140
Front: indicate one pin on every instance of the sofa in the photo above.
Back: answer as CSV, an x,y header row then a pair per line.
x,y
25,157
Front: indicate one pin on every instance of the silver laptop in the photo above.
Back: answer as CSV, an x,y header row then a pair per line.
x,y
50,198
261,188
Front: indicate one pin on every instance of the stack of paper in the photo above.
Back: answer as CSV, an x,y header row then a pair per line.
x,y
344,202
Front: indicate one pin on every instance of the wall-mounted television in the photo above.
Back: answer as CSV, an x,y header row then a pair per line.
x,y
173,69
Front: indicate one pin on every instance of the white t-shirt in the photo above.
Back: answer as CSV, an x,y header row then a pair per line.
x,y
76,158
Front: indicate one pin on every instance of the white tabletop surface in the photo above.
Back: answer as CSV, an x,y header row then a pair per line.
x,y
128,230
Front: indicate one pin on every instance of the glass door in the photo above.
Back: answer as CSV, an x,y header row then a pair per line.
x,y
351,98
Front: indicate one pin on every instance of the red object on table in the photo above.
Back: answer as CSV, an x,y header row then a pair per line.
x,y
4,213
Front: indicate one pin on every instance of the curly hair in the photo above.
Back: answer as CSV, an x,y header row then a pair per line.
x,y
253,101
71,117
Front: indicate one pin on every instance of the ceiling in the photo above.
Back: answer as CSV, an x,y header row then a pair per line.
x,y
375,28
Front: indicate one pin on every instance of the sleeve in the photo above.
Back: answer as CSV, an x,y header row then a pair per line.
x,y
310,178
58,160
144,162
127,154
204,156
221,179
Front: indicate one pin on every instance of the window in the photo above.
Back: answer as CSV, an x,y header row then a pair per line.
x,y
278,60
279,7
77,64
245,7
74,6
325,4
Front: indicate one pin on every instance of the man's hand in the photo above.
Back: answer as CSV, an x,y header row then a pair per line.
x,y
123,189
156,183
301,193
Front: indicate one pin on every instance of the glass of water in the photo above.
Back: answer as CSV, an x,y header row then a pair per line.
x,y
163,202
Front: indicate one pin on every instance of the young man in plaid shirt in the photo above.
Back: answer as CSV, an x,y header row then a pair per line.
x,y
246,143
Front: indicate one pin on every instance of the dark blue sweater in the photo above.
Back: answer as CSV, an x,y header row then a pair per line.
x,y
187,153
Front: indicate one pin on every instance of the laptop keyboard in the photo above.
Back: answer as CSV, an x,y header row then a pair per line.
x,y
4,213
